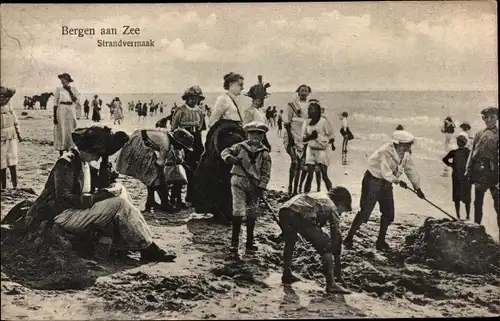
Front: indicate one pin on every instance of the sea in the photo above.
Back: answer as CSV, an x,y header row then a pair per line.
x,y
373,115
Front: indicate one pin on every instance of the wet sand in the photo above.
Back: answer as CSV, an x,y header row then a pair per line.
x,y
205,282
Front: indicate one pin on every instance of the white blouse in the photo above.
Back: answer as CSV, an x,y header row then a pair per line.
x,y
62,95
225,108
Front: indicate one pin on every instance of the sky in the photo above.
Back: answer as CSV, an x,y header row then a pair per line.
x,y
329,46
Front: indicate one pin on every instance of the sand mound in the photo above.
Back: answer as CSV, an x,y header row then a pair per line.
x,y
44,260
453,246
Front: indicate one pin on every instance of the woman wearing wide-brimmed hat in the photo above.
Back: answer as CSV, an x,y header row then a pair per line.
x,y
9,137
144,157
191,117
70,202
66,99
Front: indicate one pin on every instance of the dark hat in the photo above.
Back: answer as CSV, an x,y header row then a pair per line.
x,y
65,76
448,118
193,91
183,137
465,125
340,194
490,111
99,140
7,92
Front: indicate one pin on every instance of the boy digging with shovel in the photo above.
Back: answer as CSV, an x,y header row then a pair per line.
x,y
251,161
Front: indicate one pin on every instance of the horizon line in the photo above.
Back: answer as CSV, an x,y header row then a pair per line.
x,y
318,91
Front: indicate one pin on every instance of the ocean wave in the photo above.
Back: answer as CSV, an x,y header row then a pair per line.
x,y
427,144
415,120
398,120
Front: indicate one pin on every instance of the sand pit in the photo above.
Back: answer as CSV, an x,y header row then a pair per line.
x,y
453,246
44,260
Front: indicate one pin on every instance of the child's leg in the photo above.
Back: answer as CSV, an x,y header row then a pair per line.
x,y
310,173
457,209
318,178
13,175
324,174
252,210
3,178
467,210
239,208
303,175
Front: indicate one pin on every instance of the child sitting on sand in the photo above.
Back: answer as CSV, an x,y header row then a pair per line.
x,y
250,175
461,186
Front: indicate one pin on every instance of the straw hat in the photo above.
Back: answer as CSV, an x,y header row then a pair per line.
x,y
183,137
99,140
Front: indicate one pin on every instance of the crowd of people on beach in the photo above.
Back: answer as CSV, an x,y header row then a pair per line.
x,y
228,174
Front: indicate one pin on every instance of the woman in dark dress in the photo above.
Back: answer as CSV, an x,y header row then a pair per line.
x,y
212,190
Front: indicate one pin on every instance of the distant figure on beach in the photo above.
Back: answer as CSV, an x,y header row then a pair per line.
x,y
274,113
280,123
294,117
96,109
161,108
461,187
448,130
465,127
66,98
346,134
482,165
27,102
144,111
10,136
208,111
269,116
118,114
86,108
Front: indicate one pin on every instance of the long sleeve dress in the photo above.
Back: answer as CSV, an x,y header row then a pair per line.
x,y
66,117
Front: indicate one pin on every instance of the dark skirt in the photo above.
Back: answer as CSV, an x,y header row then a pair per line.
x,y
96,116
461,188
346,133
212,191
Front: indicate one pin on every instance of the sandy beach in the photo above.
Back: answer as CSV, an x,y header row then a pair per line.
x,y
204,283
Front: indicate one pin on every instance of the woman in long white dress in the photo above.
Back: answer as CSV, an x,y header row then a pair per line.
x,y
65,100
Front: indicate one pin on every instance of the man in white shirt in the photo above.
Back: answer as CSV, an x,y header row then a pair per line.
x,y
385,166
